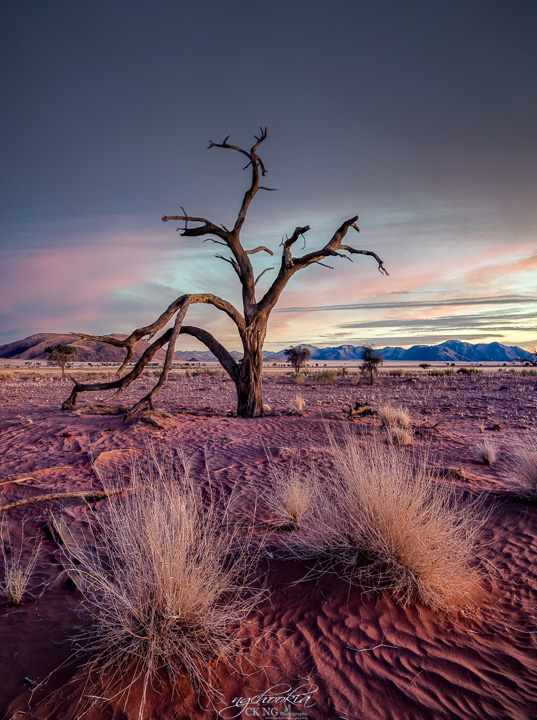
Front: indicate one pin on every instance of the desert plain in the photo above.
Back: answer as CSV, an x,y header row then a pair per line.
x,y
345,651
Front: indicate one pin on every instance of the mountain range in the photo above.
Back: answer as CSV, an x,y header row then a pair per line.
x,y
449,351
33,348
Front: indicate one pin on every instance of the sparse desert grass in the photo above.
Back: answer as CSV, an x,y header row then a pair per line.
x,y
165,580
444,372
18,570
524,466
7,375
392,417
486,452
298,405
384,522
532,372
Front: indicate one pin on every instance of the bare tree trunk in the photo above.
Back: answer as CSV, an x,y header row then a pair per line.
x,y
249,378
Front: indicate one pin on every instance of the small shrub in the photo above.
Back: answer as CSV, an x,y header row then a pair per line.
x,y
394,417
445,372
532,372
486,452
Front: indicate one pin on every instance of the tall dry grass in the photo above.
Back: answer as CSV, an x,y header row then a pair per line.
x,y
486,452
524,466
18,565
384,522
165,578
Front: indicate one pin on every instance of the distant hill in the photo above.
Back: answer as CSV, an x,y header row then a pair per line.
x,y
33,348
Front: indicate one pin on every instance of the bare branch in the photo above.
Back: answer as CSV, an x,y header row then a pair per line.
x,y
261,187
216,242
149,330
224,357
123,382
261,274
207,227
231,262
353,251
148,399
258,249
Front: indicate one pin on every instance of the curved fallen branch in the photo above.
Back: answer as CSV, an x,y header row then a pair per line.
x,y
89,495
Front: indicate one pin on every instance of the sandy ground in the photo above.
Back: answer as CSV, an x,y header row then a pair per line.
x,y
360,656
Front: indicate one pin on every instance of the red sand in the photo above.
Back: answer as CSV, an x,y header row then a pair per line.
x,y
362,656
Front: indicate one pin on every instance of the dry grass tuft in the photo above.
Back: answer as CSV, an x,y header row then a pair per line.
x,y
525,468
394,417
299,403
486,452
385,523
7,375
291,493
399,436
165,578
17,570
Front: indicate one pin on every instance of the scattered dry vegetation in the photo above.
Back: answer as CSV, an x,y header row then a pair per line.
x,y
165,579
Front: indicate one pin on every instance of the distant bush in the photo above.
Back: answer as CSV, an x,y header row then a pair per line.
x,y
325,377
469,371
447,372
529,373
297,378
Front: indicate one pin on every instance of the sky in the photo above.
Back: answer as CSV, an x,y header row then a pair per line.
x,y
417,115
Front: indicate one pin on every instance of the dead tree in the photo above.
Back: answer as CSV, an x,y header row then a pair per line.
x,y
251,323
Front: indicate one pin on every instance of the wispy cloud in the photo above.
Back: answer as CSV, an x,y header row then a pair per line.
x,y
424,303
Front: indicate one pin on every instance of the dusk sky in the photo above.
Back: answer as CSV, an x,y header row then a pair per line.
x,y
419,116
